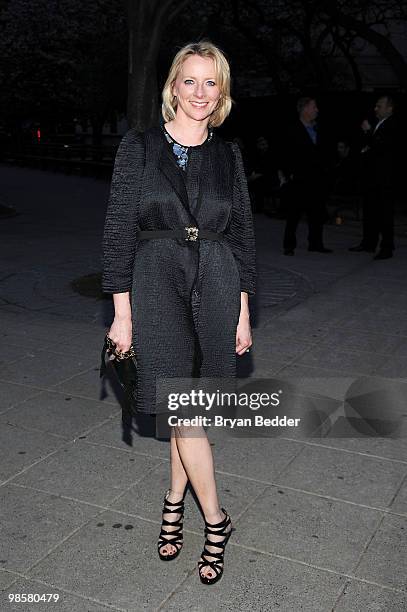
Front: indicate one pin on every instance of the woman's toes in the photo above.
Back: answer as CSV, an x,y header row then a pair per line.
x,y
171,549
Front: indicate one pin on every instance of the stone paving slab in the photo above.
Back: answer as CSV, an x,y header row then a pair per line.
x,y
12,394
394,367
21,448
385,560
67,602
6,580
344,360
256,458
265,583
309,329
315,530
115,435
118,565
401,349
399,503
259,367
362,596
360,341
34,522
31,371
329,383
381,447
353,477
59,414
89,386
87,343
374,321
88,473
280,347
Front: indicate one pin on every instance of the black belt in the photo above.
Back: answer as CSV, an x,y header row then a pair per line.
x,y
191,234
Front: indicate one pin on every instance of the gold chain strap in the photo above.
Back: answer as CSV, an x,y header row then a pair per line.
x,y
111,348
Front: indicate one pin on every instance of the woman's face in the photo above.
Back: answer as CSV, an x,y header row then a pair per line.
x,y
196,88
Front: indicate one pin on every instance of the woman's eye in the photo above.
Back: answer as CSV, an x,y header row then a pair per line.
x,y
188,81
212,83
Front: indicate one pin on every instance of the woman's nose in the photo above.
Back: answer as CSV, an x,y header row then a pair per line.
x,y
199,91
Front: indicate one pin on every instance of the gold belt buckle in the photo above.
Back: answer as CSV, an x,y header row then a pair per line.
x,y
192,233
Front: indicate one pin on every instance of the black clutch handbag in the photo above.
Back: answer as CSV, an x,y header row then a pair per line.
x,y
124,366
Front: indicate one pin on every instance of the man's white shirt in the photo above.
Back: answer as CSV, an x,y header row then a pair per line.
x,y
379,124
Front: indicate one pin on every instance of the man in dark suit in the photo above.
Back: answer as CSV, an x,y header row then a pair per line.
x,y
378,164
306,168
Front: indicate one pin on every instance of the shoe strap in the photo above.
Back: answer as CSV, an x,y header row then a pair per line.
x,y
221,545
178,525
223,523
168,504
162,540
161,543
176,534
180,510
219,532
213,565
217,555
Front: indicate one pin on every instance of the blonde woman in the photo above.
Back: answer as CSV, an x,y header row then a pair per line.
x,y
179,259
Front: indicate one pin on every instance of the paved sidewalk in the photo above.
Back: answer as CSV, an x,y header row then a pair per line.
x,y
321,522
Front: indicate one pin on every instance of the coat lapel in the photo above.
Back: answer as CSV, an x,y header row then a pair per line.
x,y
168,166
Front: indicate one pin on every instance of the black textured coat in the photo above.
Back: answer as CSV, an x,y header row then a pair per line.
x,y
185,296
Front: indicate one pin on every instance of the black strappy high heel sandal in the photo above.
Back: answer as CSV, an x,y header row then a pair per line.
x,y
174,537
216,563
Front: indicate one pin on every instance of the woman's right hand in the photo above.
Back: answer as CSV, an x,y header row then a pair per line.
x,y
121,333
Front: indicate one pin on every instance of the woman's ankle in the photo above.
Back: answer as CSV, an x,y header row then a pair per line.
x,y
215,516
175,496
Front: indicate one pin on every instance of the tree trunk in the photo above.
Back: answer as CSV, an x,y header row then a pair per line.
x,y
350,59
146,22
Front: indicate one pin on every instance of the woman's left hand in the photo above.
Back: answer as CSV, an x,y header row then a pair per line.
x,y
243,334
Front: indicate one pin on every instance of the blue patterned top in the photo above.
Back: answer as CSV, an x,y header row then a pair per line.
x,y
180,151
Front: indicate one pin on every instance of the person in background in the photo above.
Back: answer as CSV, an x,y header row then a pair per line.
x,y
345,175
378,167
308,172
264,178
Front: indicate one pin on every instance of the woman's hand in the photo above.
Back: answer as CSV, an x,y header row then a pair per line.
x,y
121,329
243,331
121,333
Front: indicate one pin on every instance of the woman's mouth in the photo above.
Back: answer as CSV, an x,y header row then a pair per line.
x,y
199,104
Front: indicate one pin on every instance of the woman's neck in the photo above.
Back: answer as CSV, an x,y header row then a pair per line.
x,y
188,133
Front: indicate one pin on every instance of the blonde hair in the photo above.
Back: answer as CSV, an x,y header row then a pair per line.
x,y
202,48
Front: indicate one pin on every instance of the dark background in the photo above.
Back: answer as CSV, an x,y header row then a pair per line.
x,y
99,67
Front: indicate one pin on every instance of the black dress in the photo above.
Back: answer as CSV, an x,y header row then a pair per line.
x,y
185,296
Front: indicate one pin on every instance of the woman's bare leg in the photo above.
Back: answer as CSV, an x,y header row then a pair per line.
x,y
196,456
178,482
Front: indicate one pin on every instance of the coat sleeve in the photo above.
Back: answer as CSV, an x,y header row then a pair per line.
x,y
240,233
121,222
